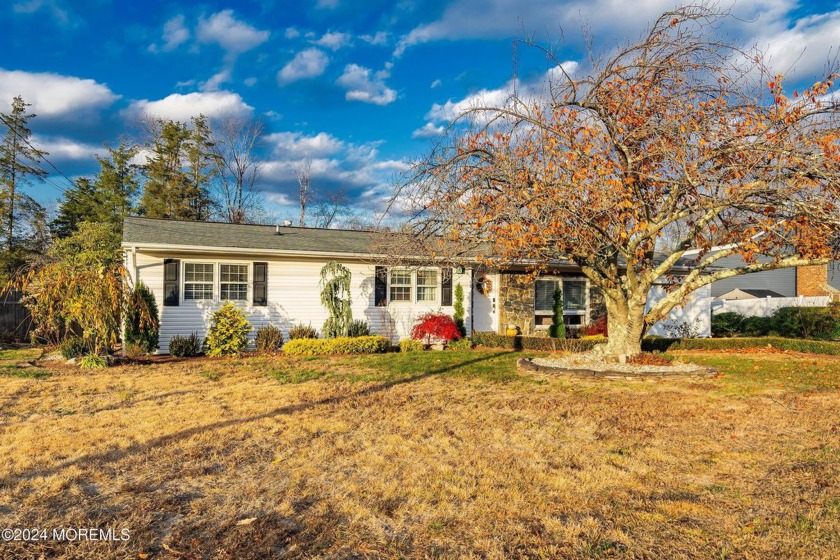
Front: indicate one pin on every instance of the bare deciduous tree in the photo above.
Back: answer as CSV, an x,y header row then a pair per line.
x,y
303,172
235,148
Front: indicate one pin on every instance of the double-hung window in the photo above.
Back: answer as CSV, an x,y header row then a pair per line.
x,y
233,282
198,281
427,285
400,288
574,300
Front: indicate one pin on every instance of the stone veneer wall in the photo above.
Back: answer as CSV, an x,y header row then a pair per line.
x,y
516,299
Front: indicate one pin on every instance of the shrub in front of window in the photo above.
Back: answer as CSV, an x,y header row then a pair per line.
x,y
142,329
411,345
302,331
358,328
435,327
269,340
185,346
558,327
597,328
228,332
340,345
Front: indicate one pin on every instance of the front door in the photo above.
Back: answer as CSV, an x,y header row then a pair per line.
x,y
485,290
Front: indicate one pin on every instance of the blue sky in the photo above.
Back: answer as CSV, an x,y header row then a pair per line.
x,y
361,88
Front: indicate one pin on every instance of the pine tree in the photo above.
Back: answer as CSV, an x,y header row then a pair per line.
x,y
179,173
107,200
165,191
19,162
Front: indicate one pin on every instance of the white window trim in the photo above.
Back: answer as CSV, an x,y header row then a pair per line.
x,y
413,287
184,282
566,313
217,281
248,279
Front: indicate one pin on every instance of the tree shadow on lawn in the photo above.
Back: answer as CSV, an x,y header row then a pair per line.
x,y
117,455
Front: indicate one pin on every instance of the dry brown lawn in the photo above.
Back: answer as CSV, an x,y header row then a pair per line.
x,y
439,455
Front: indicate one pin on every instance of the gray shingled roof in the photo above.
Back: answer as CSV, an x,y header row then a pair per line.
x,y
153,231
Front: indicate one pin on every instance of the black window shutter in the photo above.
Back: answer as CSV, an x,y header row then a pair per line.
x,y
380,292
445,287
260,283
171,269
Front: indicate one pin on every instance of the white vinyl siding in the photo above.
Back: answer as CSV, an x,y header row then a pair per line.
x,y
198,281
233,282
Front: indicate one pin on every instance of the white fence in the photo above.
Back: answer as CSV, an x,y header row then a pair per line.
x,y
765,307
695,314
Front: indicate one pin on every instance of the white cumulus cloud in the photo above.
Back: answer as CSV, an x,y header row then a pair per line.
x,y
308,63
334,40
66,149
54,95
366,86
175,33
295,145
181,107
233,35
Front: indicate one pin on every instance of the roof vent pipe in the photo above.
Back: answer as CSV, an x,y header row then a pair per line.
x,y
277,229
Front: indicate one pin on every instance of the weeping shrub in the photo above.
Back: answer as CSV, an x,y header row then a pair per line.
x,y
335,297
228,333
142,330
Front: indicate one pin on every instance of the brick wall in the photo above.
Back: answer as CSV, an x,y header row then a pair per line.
x,y
813,281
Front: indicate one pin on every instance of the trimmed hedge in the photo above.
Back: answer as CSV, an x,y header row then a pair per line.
x,y
411,345
494,340
821,323
792,344
340,345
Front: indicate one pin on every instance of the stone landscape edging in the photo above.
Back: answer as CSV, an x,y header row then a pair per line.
x,y
529,365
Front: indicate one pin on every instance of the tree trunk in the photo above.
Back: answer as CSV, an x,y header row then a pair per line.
x,y
625,327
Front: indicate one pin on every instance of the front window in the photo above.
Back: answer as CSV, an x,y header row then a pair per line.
x,y
198,281
233,282
574,301
574,295
427,282
400,285
544,295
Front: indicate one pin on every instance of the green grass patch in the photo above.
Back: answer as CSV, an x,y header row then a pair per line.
x,y
755,373
13,370
20,354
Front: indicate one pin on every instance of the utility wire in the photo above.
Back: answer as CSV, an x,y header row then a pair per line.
x,y
60,188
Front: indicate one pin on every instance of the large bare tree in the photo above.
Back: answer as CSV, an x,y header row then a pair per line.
x,y
235,142
678,132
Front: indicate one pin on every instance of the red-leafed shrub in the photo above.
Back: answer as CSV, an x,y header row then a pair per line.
x,y
598,326
435,327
